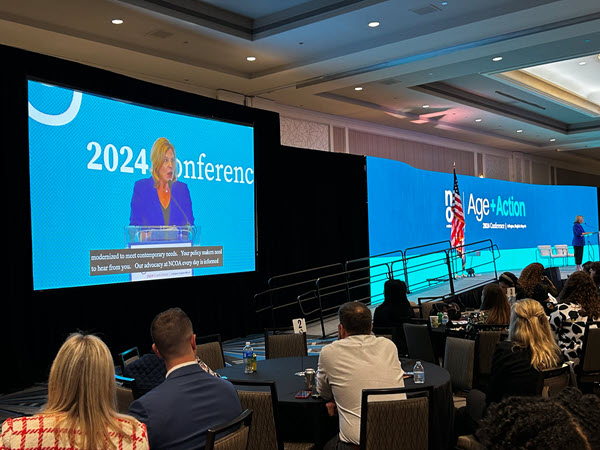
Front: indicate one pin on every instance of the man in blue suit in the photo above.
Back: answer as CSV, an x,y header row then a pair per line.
x,y
178,412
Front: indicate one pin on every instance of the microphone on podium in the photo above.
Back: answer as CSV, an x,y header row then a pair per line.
x,y
177,203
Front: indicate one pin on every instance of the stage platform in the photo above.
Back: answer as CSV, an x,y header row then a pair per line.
x,y
460,285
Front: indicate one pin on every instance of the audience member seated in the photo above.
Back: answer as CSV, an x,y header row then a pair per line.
x,y
395,309
80,413
530,347
179,411
509,280
534,284
495,309
568,421
578,304
356,361
587,266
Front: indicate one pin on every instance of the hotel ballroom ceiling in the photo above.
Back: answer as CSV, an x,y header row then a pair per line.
x,y
460,69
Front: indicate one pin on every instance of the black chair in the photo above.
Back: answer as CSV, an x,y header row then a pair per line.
x,y
485,346
127,357
418,342
387,424
149,371
210,350
589,365
283,342
237,440
459,360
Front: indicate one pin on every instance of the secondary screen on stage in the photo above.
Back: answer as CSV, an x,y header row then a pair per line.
x,y
123,192
410,207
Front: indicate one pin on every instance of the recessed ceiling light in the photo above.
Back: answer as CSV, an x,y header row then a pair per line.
x,y
251,58
552,140
497,58
582,63
374,24
519,131
425,106
358,88
117,21
478,120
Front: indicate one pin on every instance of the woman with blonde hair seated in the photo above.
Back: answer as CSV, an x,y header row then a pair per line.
x,y
80,413
529,349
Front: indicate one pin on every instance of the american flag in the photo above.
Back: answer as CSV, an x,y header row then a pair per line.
x,y
457,237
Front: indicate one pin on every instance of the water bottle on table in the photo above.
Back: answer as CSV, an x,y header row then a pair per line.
x,y
445,319
248,351
419,373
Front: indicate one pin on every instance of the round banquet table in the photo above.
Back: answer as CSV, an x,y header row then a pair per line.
x,y
306,420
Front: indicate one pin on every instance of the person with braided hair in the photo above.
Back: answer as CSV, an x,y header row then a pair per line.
x,y
569,420
578,303
530,348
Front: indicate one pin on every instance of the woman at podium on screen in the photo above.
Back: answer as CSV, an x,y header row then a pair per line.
x,y
578,241
161,199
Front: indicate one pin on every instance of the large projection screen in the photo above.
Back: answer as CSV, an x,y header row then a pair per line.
x,y
97,213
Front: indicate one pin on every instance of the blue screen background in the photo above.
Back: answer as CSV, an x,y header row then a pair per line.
x,y
75,209
408,207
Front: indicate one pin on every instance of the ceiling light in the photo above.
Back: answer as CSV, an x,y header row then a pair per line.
x,y
117,21
444,3
374,24
582,63
251,58
497,58
519,131
425,106
358,88
552,140
478,120
558,149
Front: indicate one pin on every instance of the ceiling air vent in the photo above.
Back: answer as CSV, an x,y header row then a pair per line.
x,y
425,10
160,34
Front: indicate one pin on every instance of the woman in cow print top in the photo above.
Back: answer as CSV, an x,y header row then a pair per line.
x,y
578,304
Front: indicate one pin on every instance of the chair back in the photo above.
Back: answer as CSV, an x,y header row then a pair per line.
x,y
552,381
149,371
128,356
426,308
545,250
561,250
279,345
210,350
459,360
395,423
261,398
590,360
418,342
124,393
237,440
485,343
